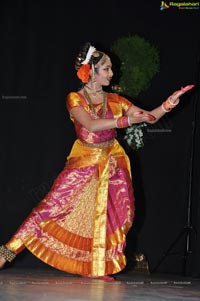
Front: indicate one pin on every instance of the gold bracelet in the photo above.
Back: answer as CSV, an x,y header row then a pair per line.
x,y
7,254
170,102
167,105
164,109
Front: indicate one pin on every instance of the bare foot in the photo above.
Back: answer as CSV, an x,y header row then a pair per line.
x,y
2,262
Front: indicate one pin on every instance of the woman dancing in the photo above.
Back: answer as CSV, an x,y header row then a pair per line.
x,y
81,224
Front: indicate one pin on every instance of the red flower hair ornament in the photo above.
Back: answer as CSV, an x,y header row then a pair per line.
x,y
83,72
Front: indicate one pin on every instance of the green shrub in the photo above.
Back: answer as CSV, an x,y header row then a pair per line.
x,y
139,63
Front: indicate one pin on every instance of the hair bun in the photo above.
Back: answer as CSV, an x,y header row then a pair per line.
x,y
82,55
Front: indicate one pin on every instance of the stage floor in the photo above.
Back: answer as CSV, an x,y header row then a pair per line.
x,y
51,285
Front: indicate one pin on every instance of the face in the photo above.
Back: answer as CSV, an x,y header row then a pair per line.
x,y
103,71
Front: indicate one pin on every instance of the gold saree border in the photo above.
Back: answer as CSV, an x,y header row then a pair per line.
x,y
69,265
15,244
71,239
100,217
59,261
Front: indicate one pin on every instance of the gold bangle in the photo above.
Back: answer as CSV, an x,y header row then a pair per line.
x,y
170,102
7,254
167,105
166,110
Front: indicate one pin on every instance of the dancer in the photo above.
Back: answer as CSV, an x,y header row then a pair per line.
x,y
81,224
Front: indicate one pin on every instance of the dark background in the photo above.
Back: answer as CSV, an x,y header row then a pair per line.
x,y
39,42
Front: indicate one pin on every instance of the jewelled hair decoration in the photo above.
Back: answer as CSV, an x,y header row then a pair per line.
x,y
90,52
84,71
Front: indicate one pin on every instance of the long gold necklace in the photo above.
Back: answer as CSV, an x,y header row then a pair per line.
x,y
87,96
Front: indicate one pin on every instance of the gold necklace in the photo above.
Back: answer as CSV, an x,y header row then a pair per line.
x,y
100,91
87,96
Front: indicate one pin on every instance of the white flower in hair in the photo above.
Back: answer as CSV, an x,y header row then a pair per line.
x,y
90,52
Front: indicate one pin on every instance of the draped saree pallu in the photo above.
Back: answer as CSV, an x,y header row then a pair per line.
x,y
80,226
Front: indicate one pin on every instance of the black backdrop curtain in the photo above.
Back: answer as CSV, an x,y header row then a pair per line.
x,y
39,42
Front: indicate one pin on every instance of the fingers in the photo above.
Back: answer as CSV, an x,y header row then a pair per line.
x,y
148,117
180,92
138,114
141,116
151,117
183,89
187,88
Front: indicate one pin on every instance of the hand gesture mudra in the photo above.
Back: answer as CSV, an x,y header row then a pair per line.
x,y
174,98
139,115
167,106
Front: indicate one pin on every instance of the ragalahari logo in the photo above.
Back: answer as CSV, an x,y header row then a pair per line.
x,y
179,5
163,5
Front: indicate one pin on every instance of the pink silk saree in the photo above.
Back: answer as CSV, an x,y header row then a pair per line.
x,y
80,226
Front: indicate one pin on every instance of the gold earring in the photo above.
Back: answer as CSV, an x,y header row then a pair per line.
x,y
93,74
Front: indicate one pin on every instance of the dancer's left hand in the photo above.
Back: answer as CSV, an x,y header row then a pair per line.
x,y
174,98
